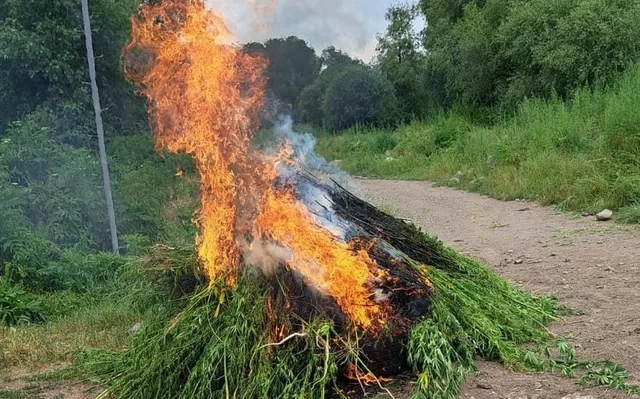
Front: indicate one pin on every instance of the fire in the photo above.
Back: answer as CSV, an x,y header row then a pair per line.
x,y
205,95
324,263
365,378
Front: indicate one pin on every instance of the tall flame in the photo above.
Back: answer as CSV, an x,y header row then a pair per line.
x,y
205,95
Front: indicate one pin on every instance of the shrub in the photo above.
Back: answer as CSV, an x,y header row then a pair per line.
x,y
440,135
359,96
503,51
78,272
17,307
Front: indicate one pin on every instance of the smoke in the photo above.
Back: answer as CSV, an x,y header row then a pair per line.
x,y
304,145
350,25
266,256
269,256
307,161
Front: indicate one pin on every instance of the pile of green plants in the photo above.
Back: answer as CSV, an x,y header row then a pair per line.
x,y
221,344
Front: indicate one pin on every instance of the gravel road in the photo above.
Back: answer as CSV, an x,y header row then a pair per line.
x,y
591,266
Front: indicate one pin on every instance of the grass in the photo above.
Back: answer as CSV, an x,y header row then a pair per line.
x,y
84,330
582,155
105,325
218,345
42,360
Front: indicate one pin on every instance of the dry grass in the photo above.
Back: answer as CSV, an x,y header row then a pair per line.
x,y
36,347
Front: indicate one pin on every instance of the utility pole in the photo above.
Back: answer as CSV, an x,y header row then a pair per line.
x,y
98,111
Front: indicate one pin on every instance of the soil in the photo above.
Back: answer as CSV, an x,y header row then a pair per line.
x,y
25,384
593,267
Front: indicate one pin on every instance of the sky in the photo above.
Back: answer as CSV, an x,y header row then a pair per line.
x,y
350,25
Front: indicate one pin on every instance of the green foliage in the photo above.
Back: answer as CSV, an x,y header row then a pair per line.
x,y
400,58
44,62
293,65
441,134
309,108
356,96
201,354
150,199
17,306
503,51
43,59
474,314
53,211
78,272
592,141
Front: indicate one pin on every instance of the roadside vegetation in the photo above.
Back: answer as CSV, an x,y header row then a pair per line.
x,y
581,154
515,99
64,300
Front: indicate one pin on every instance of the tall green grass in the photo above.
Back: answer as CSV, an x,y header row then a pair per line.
x,y
582,154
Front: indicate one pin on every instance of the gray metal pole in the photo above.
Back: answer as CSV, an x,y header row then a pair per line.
x,y
99,127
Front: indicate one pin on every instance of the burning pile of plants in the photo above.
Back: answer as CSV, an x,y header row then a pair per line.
x,y
310,291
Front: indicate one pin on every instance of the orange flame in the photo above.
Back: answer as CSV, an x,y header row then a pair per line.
x,y
324,263
365,378
205,95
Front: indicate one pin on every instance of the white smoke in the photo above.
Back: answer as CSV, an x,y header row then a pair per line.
x,y
304,145
307,161
266,256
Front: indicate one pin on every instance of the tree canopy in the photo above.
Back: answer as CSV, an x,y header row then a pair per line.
x,y
358,95
401,58
501,51
43,62
293,65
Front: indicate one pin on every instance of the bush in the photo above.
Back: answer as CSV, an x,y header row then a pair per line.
x,y
52,209
359,96
17,307
503,51
78,272
583,154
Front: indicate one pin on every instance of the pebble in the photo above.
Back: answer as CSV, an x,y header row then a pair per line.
x,y
518,261
578,396
135,328
483,385
604,216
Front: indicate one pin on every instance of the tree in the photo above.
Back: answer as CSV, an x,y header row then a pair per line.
x,y
333,58
563,45
293,65
401,59
502,51
333,61
42,62
359,95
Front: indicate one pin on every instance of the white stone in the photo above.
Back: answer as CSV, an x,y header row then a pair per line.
x,y
605,215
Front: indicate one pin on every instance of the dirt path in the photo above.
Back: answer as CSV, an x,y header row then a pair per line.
x,y
591,266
